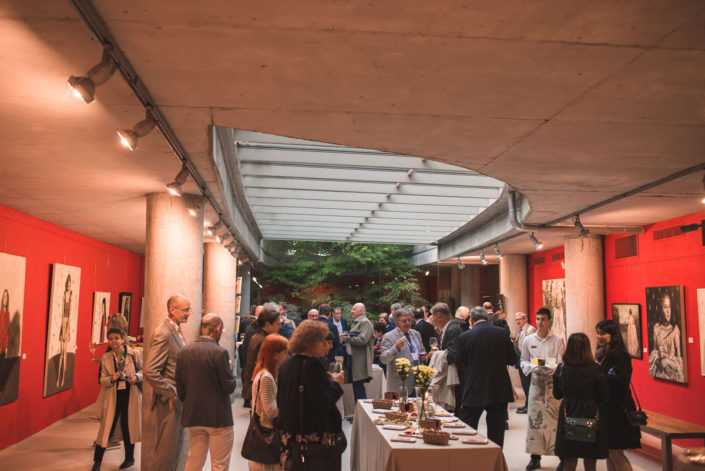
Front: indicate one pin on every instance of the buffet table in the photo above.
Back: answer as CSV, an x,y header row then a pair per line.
x,y
371,449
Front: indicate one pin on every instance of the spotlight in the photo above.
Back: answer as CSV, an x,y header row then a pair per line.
x,y
214,229
84,87
175,187
460,264
219,238
195,205
428,272
129,137
703,200
537,244
496,250
582,232
482,257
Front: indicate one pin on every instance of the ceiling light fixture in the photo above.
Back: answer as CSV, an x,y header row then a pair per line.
x,y
83,87
582,232
194,206
428,272
129,137
215,228
175,187
703,200
537,244
460,264
496,250
482,257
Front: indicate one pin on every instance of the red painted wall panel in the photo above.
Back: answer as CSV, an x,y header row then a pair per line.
x,y
103,268
548,270
678,260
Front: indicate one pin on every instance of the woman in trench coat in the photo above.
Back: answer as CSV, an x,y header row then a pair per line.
x,y
120,399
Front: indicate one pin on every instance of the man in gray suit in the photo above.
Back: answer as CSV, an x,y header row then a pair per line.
x,y
164,452
402,342
360,339
204,382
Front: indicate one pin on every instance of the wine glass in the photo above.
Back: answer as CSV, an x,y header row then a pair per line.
x,y
433,343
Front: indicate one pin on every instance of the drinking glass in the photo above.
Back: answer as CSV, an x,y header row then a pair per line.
x,y
433,343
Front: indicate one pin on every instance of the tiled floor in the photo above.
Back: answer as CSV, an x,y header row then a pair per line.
x,y
67,445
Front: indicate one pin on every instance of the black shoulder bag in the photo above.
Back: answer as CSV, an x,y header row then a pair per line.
x,y
579,429
261,444
635,418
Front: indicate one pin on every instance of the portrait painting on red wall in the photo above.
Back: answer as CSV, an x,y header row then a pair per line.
x,y
12,279
554,299
101,316
665,320
628,318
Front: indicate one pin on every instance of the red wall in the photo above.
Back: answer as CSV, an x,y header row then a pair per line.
x,y
678,260
103,268
548,270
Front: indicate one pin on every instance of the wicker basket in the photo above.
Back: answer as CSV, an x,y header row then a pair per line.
x,y
435,437
433,424
382,403
396,416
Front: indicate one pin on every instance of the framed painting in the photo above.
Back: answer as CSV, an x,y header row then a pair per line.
x,y
628,318
701,327
126,308
61,328
101,309
554,299
665,321
12,279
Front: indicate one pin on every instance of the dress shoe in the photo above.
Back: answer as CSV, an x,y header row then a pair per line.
x,y
535,463
522,410
246,403
127,463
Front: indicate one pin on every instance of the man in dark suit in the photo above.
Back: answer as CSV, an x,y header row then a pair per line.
x,y
340,322
338,349
424,328
484,353
204,382
450,330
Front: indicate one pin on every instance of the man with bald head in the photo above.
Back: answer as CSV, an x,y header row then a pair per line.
x,y
312,314
361,339
204,381
163,452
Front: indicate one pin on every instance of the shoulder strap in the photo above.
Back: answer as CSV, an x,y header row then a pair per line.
x,y
635,396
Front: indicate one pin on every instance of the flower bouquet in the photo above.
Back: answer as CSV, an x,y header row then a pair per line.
x,y
422,379
403,366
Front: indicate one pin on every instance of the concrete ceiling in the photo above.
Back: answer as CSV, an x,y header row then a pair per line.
x,y
569,102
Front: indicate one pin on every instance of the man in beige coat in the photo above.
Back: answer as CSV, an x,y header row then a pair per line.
x,y
360,340
166,450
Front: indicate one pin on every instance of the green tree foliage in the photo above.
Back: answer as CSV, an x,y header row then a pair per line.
x,y
375,274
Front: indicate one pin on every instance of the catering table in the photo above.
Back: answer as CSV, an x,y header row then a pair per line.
x,y
375,390
372,450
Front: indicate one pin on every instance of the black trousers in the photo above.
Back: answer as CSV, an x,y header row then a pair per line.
x,y
525,382
495,419
121,406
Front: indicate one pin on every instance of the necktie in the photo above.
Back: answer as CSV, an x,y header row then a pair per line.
x,y
181,334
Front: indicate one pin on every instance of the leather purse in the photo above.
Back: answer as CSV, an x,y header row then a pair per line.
x,y
635,418
261,444
579,429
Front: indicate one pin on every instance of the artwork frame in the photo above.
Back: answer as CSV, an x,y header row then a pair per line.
x,y
62,327
12,284
628,318
125,307
554,299
666,329
701,327
101,315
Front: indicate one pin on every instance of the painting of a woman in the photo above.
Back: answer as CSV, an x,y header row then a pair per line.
x,y
4,329
64,333
666,321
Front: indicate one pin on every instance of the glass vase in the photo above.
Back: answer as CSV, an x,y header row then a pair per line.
x,y
422,409
403,394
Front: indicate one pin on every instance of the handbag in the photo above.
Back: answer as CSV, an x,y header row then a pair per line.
x,y
261,444
579,429
635,418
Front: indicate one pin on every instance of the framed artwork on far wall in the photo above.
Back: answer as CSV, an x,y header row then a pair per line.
x,y
12,280
701,324
101,314
126,308
628,318
665,322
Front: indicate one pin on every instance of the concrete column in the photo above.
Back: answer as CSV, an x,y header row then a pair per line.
x,y
245,289
584,287
513,284
219,277
470,284
173,264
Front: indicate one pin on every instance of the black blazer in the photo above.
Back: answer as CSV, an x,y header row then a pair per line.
x,y
427,331
204,382
337,346
450,340
484,353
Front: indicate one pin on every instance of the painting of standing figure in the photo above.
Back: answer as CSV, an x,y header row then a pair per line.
x,y
554,299
62,328
665,318
101,304
12,279
628,318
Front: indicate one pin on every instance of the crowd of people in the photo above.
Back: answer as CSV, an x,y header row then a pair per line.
x,y
292,378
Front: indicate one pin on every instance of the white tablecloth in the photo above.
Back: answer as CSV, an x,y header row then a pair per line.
x,y
372,450
375,390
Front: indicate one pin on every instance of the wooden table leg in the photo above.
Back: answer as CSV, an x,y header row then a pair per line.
x,y
667,453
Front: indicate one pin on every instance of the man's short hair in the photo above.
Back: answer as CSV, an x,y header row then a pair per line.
x,y
418,313
521,314
174,300
380,327
395,306
283,305
487,305
324,310
210,323
478,313
440,308
544,311
401,312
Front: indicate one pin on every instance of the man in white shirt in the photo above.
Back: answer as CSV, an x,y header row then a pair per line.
x,y
540,354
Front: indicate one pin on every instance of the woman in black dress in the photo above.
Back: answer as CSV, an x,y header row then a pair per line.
x,y
617,364
311,425
582,385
